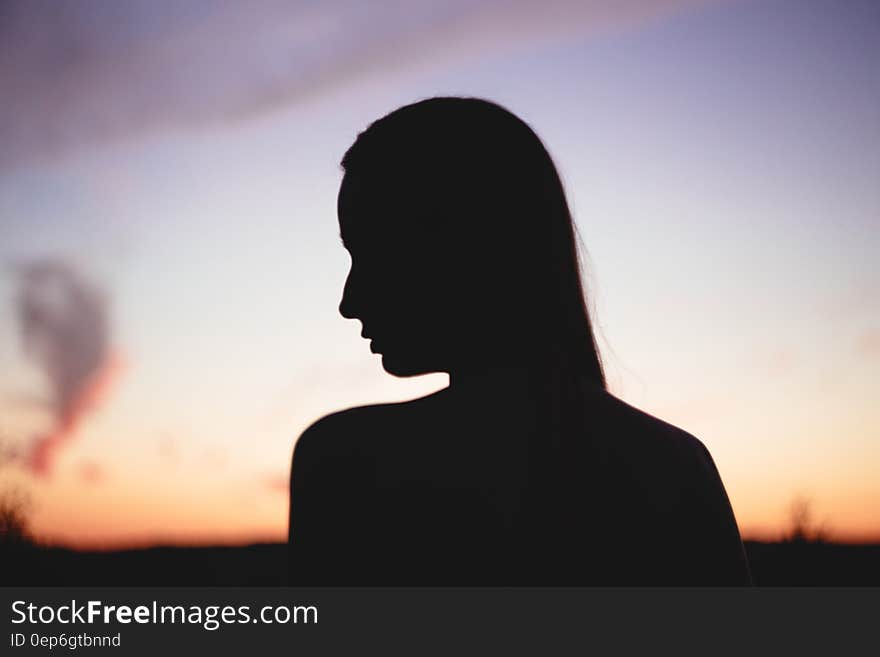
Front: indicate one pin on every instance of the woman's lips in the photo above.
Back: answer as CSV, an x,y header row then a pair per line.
x,y
372,342
374,345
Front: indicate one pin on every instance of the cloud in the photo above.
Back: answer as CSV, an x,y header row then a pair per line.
x,y
64,330
75,73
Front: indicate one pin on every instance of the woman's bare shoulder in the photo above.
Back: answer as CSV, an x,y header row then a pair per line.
x,y
355,429
640,432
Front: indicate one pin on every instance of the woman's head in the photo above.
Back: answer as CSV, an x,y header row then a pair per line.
x,y
462,244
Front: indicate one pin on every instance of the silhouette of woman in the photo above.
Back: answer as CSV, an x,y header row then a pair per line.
x,y
525,470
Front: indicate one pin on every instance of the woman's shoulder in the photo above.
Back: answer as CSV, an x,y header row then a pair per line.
x,y
660,444
359,428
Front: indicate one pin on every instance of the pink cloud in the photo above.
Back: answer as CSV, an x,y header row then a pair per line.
x,y
65,332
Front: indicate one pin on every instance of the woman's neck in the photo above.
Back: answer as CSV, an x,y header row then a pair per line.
x,y
509,374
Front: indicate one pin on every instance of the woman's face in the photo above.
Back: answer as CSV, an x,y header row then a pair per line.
x,y
396,286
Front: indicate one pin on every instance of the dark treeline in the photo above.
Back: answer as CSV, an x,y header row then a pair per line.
x,y
790,563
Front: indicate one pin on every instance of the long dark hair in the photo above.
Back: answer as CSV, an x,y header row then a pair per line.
x,y
496,199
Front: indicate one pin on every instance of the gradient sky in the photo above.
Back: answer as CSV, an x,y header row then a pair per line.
x,y
722,161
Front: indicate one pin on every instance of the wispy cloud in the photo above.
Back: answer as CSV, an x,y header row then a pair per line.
x,y
79,72
65,331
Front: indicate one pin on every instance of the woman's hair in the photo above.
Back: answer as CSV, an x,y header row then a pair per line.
x,y
489,196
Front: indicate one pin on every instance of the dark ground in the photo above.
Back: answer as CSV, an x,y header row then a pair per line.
x,y
798,563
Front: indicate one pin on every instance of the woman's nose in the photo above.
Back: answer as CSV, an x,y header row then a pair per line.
x,y
347,306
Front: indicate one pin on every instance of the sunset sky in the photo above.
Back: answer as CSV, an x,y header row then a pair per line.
x,y
174,167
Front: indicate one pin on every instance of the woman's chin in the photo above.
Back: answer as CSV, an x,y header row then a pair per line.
x,y
404,367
